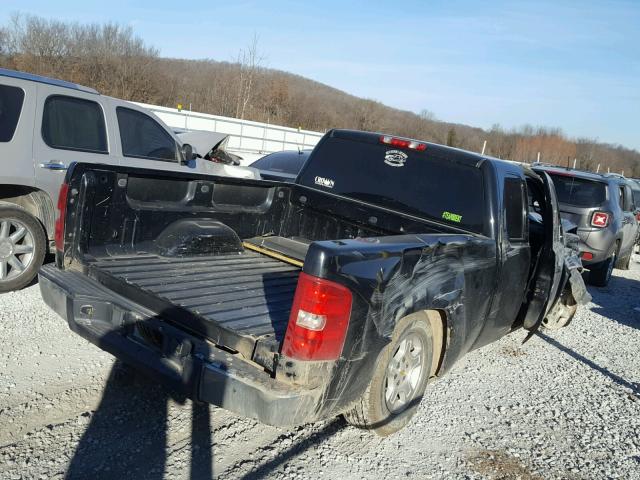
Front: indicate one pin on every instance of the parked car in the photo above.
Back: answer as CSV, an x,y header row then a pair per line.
x,y
344,292
45,125
635,188
211,146
602,206
283,166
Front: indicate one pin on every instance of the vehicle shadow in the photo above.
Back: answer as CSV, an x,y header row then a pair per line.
x,y
127,434
609,301
635,388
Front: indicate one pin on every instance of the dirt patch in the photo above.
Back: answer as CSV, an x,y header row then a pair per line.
x,y
498,465
511,351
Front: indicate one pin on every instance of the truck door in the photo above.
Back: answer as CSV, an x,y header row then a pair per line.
x,y
549,267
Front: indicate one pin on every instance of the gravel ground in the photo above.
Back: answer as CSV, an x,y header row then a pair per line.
x,y
564,405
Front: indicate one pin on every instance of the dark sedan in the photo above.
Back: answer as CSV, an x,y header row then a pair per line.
x,y
282,166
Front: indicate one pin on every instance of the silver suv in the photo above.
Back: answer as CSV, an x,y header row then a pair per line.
x,y
602,207
46,124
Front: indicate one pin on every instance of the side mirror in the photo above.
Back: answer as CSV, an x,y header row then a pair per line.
x,y
187,152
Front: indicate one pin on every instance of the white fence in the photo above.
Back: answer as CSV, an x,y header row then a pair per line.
x,y
250,140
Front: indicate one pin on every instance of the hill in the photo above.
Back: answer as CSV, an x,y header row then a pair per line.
x,y
116,62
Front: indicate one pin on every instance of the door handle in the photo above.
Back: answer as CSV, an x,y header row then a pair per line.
x,y
53,165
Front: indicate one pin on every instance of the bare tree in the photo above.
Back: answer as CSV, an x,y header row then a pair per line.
x,y
249,61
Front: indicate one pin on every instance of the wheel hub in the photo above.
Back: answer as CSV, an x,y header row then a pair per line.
x,y
6,248
404,373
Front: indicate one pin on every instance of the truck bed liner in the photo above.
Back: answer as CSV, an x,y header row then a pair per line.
x,y
248,293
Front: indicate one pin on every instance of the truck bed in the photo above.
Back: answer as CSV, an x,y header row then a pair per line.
x,y
247,292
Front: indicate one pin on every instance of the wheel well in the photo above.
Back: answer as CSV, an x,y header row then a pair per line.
x,y
438,321
33,200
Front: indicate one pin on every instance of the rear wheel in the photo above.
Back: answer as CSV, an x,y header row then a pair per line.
x,y
600,274
22,247
399,381
624,262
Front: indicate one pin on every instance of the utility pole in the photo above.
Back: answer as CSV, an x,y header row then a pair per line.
x,y
575,161
538,157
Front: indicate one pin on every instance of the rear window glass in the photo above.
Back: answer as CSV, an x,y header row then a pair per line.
x,y
71,123
579,191
11,99
417,183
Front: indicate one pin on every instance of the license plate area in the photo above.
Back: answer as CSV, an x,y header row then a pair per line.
x,y
150,336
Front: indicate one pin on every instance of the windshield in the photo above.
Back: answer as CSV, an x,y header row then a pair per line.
x,y
579,192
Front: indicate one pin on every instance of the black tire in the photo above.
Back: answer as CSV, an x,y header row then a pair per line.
x,y
600,274
14,278
372,411
623,263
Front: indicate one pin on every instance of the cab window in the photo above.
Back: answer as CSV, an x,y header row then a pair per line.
x,y
143,137
515,208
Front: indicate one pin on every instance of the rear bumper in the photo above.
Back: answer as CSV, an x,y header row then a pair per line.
x,y
183,362
598,243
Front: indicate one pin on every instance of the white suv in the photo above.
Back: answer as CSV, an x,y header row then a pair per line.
x,y
46,124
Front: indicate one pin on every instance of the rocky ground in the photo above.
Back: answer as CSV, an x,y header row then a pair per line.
x,y
564,405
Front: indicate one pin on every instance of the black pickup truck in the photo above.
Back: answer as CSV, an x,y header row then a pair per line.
x,y
344,292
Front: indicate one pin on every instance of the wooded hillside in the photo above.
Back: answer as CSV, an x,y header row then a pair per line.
x,y
116,62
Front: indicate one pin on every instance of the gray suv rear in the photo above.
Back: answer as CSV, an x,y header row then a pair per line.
x,y
603,209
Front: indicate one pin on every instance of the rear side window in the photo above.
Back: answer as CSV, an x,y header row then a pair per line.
x,y
143,137
514,206
71,123
11,100
419,183
580,192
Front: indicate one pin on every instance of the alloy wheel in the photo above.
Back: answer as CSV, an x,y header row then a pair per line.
x,y
16,248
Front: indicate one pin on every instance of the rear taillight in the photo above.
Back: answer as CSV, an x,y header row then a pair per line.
x,y
600,219
403,143
638,216
62,213
318,321
587,256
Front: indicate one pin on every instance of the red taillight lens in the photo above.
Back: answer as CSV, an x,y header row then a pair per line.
x,y
62,213
638,216
318,321
587,255
600,219
403,143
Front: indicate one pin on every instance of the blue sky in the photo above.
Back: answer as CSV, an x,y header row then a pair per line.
x,y
570,64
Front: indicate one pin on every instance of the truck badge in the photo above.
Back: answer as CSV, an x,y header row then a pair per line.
x,y
325,182
395,158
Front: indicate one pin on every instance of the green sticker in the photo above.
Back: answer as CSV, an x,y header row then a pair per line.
x,y
452,217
